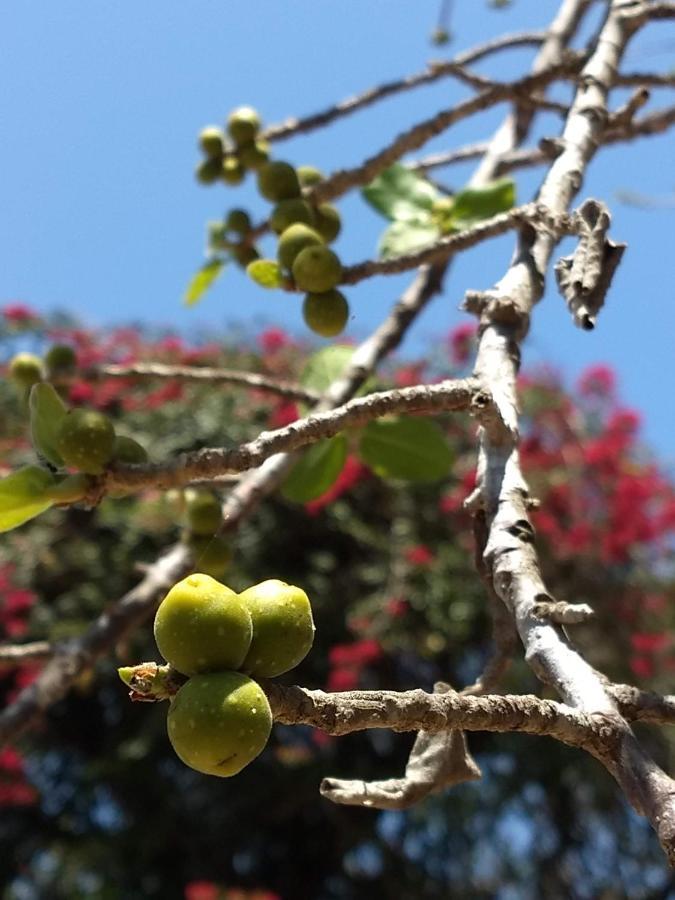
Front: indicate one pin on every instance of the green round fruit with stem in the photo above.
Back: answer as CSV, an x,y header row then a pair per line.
x,y
212,554
327,313
212,142
243,124
328,222
290,212
86,440
204,513
232,172
208,171
127,450
316,269
239,221
203,626
278,181
254,155
309,176
283,628
60,359
293,240
25,369
219,723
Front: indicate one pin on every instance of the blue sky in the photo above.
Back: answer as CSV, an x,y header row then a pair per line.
x,y
100,214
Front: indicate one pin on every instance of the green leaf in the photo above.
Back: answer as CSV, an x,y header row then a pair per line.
x,y
325,366
23,495
398,193
265,272
413,449
47,411
404,237
474,204
317,470
202,280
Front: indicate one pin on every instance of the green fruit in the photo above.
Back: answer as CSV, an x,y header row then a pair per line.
x,y
25,369
289,212
295,239
278,181
202,626
309,176
328,222
283,629
254,155
60,360
212,142
86,440
127,450
47,412
219,723
238,220
232,172
204,513
326,314
208,171
317,269
243,124
244,254
212,555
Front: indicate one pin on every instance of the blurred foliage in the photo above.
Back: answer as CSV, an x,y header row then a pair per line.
x,y
97,805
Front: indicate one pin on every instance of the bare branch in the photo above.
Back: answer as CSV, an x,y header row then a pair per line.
x,y
433,72
643,706
18,654
206,374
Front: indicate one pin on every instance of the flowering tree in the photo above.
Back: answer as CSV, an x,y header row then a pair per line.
x,y
356,492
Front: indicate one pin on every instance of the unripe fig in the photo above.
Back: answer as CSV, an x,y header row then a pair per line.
x,y
254,155
326,314
316,269
86,440
204,513
278,181
202,626
219,723
243,124
25,369
212,554
296,238
328,222
60,359
309,176
239,221
127,450
212,141
283,629
289,212
232,172
209,171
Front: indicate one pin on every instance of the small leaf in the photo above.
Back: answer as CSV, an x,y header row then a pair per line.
x,y
202,280
474,204
325,366
317,470
23,495
265,272
404,237
401,194
47,411
413,449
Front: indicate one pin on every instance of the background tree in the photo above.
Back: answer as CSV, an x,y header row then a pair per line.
x,y
417,612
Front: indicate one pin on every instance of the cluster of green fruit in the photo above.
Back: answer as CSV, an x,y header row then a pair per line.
x,y
229,156
82,439
234,236
220,719
202,515
304,229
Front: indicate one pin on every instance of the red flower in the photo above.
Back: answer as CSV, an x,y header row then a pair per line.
x,y
201,890
598,380
283,414
352,472
419,556
642,666
19,313
460,341
650,643
273,339
396,608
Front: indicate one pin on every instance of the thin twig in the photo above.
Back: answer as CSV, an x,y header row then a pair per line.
x,y
18,654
